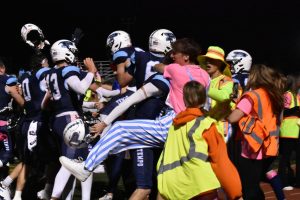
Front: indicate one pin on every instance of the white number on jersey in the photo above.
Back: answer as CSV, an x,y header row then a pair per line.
x,y
150,69
25,89
53,81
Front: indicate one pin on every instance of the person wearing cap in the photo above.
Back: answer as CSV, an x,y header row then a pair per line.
x,y
221,87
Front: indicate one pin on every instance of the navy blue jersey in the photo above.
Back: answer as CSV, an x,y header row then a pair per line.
x,y
144,66
151,107
127,53
65,99
33,93
241,78
123,54
5,98
114,102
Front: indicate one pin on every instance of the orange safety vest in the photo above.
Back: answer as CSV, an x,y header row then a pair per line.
x,y
259,128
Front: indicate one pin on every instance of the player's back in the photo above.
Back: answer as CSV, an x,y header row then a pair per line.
x,y
144,67
64,99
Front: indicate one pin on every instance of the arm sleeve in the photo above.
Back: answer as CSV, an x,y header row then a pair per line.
x,y
245,105
168,71
87,104
107,93
80,86
221,94
146,91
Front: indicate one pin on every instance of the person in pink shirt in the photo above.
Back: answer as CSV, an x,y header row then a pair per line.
x,y
180,72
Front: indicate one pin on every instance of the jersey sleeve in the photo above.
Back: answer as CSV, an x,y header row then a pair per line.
x,y
161,83
42,73
120,57
11,81
70,71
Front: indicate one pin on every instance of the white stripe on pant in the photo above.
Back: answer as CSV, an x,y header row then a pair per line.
x,y
130,134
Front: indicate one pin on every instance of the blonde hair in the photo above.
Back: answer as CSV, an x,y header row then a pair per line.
x,y
194,94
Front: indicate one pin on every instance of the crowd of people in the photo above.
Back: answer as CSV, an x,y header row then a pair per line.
x,y
175,123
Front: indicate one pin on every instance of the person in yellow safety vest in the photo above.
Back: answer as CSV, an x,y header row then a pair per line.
x,y
194,162
220,89
289,136
258,113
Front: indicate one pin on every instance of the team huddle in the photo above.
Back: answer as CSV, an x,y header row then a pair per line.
x,y
171,120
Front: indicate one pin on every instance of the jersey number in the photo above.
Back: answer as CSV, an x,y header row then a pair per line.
x,y
150,69
54,87
25,89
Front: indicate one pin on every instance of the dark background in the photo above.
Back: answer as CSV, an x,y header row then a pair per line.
x,y
268,30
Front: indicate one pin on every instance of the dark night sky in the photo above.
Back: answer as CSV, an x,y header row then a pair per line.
x,y
268,30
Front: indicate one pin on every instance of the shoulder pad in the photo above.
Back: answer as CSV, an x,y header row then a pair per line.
x,y
41,71
70,69
119,54
11,80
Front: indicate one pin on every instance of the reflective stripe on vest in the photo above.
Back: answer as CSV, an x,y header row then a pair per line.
x,y
259,110
289,127
192,151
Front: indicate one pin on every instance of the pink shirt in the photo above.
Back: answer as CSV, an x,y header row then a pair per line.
x,y
179,75
245,105
287,100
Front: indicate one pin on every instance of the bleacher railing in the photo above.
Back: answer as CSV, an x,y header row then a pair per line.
x,y
104,69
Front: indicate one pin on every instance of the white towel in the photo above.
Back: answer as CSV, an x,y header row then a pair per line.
x,y
31,135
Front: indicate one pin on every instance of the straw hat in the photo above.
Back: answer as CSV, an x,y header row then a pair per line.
x,y
217,53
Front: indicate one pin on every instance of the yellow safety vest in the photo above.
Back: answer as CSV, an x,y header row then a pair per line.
x,y
88,95
289,127
183,168
220,110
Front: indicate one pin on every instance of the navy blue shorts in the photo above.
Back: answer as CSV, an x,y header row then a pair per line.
x,y
143,166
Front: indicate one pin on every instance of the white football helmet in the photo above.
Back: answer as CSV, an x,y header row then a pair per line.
x,y
38,41
74,134
239,60
64,50
117,40
161,41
